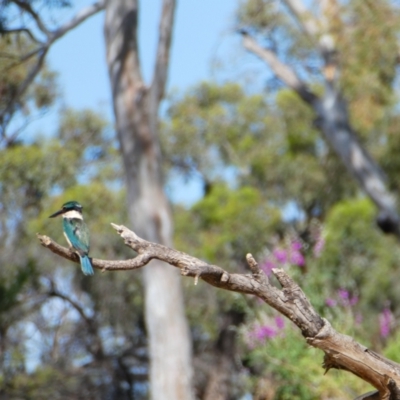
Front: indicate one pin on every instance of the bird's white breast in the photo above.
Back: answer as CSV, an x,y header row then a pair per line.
x,y
72,214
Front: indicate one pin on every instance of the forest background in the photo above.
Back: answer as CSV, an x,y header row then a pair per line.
x,y
246,170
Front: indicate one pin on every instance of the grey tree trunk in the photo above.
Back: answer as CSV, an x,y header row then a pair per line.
x,y
136,114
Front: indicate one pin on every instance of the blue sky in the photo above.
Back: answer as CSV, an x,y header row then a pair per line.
x,y
205,46
204,32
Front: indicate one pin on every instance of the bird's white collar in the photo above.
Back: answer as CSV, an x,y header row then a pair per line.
x,y
72,214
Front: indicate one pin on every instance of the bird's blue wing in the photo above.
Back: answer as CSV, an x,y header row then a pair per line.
x,y
77,233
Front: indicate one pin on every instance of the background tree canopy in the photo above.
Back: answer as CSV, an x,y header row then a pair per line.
x,y
272,185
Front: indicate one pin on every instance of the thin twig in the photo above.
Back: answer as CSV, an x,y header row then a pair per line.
x,y
26,6
41,52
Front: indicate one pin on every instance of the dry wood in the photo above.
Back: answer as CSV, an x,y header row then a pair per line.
x,y
341,351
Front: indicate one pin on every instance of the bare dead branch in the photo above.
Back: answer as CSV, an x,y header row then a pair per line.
x,y
94,345
341,351
80,17
104,265
21,30
157,88
305,18
26,6
286,74
12,103
41,53
318,30
54,292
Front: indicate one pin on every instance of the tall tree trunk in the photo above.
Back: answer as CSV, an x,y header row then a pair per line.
x,y
136,113
222,373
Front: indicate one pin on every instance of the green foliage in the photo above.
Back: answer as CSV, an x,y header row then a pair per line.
x,y
222,228
260,14
231,222
357,256
204,119
47,383
349,232
293,370
9,292
392,348
367,52
27,171
82,130
13,73
221,133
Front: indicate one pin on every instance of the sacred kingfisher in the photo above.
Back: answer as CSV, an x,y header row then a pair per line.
x,y
76,232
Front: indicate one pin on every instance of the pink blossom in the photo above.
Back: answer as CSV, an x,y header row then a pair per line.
x,y
280,255
319,246
330,302
279,322
343,294
264,332
267,266
296,245
385,320
297,258
353,300
346,298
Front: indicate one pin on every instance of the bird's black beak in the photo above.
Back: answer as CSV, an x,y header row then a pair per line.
x,y
56,214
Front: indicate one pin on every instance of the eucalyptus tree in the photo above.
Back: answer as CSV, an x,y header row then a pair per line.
x,y
340,58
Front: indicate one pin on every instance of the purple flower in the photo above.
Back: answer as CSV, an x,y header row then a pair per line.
x,y
260,333
279,322
385,320
292,255
297,258
343,294
346,299
280,255
319,246
264,332
296,245
353,300
267,266
330,302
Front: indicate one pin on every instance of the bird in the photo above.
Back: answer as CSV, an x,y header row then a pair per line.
x,y
76,232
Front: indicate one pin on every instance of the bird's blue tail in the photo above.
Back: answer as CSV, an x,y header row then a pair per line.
x,y
86,266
